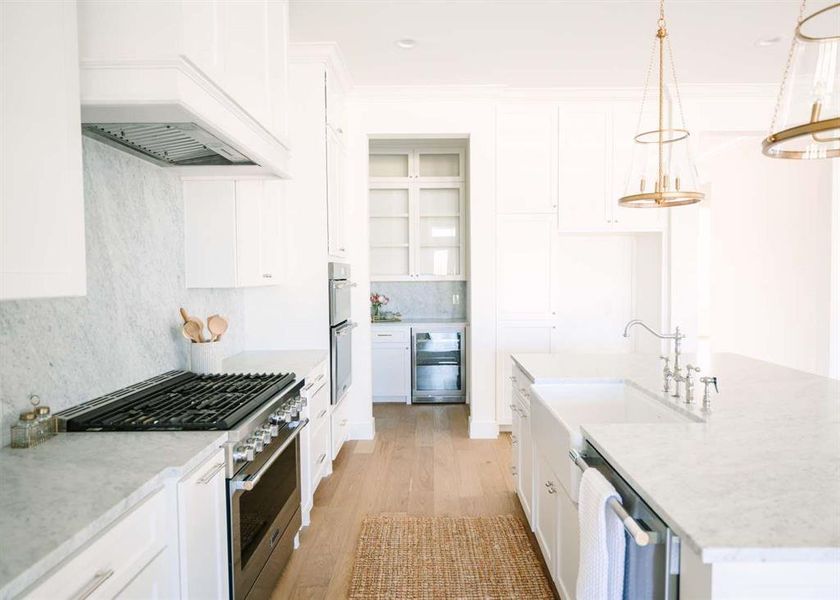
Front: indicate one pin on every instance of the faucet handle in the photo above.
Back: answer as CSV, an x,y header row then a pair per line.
x,y
667,360
690,368
706,381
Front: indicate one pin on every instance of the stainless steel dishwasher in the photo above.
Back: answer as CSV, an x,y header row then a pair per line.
x,y
437,365
652,566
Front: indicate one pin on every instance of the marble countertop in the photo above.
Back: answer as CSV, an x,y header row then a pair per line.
x,y
56,497
757,480
431,322
299,362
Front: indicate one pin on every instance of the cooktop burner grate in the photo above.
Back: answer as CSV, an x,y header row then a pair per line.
x,y
179,401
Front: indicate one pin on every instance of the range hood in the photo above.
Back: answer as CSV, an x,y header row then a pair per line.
x,y
168,144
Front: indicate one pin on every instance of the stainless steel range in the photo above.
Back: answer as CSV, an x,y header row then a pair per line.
x,y
261,413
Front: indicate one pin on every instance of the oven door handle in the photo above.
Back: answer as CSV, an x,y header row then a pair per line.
x,y
346,329
251,483
345,284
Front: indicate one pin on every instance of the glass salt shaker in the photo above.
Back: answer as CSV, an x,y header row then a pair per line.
x,y
25,431
45,422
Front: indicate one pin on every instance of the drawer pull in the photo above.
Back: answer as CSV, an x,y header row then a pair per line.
x,y
314,383
321,458
321,414
96,581
550,487
343,422
513,470
209,475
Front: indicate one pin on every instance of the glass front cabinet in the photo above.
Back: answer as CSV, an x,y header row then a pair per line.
x,y
417,214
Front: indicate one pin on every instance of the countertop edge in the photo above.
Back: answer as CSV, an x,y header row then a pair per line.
x,y
53,559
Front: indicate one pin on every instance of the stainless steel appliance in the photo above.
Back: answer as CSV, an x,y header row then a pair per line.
x,y
341,330
652,563
437,365
262,415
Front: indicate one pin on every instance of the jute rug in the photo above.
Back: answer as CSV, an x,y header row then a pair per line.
x,y
425,558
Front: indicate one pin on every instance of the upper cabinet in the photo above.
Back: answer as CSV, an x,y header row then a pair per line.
x,y
569,160
417,214
526,158
221,66
42,212
233,232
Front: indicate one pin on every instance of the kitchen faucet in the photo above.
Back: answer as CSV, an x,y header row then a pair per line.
x,y
667,373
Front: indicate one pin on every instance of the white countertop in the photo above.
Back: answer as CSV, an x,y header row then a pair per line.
x,y
299,362
56,497
759,480
427,322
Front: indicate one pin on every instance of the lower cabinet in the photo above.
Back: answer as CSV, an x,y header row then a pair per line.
x,y
202,530
547,512
131,559
315,440
391,369
340,428
523,458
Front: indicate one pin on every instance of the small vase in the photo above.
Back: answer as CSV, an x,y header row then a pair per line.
x,y
374,311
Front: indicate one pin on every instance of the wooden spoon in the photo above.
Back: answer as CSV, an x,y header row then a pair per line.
x,y
192,331
184,314
217,326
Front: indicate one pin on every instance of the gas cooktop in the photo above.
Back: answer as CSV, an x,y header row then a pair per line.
x,y
177,401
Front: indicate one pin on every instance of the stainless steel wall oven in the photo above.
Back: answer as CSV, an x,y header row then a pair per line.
x,y
341,330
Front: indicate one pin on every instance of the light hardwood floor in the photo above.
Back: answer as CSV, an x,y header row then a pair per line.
x,y
422,462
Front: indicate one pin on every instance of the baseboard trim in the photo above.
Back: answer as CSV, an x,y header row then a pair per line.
x,y
483,430
364,430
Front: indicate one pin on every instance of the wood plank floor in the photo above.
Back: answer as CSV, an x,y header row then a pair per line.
x,y
422,462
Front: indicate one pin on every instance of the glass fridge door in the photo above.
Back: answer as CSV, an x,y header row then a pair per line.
x,y
438,366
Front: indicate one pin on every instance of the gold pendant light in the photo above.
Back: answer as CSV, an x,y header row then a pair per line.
x,y
662,174
806,121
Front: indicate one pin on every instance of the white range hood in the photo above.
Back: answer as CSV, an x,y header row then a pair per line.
x,y
168,82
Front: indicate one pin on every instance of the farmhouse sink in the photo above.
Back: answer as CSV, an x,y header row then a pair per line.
x,y
558,411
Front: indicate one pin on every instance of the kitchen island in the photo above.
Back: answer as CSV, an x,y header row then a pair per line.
x,y
752,487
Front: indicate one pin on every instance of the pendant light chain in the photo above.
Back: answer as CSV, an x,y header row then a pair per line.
x,y
647,85
786,74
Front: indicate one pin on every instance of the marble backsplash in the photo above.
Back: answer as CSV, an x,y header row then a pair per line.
x,y
126,329
424,299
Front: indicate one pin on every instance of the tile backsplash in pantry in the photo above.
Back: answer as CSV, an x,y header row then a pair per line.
x,y
424,299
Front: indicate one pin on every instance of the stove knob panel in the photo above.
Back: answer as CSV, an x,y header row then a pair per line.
x,y
256,442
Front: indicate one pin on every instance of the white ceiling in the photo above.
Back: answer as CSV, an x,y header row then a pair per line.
x,y
548,43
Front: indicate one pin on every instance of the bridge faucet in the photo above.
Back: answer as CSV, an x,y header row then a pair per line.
x,y
667,373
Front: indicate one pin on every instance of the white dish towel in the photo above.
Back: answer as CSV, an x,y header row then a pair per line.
x,y
602,543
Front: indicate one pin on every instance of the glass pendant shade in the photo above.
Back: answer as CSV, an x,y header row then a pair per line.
x,y
662,173
806,122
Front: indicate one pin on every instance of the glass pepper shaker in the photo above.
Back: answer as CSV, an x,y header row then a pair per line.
x,y
25,431
45,422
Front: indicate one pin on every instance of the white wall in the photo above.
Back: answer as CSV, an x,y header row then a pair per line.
x,y
770,253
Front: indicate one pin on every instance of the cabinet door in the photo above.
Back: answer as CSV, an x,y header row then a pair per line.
x,y
568,542
625,120
525,466
335,200
440,231
526,159
391,234
154,582
249,198
42,213
202,531
271,238
546,489
210,233
585,160
526,286
391,372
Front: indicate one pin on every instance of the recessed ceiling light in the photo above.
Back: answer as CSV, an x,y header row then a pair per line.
x,y
768,41
406,43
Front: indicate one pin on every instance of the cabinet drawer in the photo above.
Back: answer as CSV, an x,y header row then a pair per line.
x,y
317,394
339,426
391,334
112,560
319,454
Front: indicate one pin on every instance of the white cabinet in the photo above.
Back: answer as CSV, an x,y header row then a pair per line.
x,y
524,456
526,158
339,427
202,530
568,545
124,556
233,232
42,213
512,338
391,357
525,259
546,508
417,200
585,162
336,188
315,441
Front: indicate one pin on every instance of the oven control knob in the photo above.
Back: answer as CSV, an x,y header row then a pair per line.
x,y
257,442
276,416
274,429
287,415
302,402
243,452
265,434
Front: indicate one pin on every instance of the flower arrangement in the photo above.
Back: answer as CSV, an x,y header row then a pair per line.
x,y
377,301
